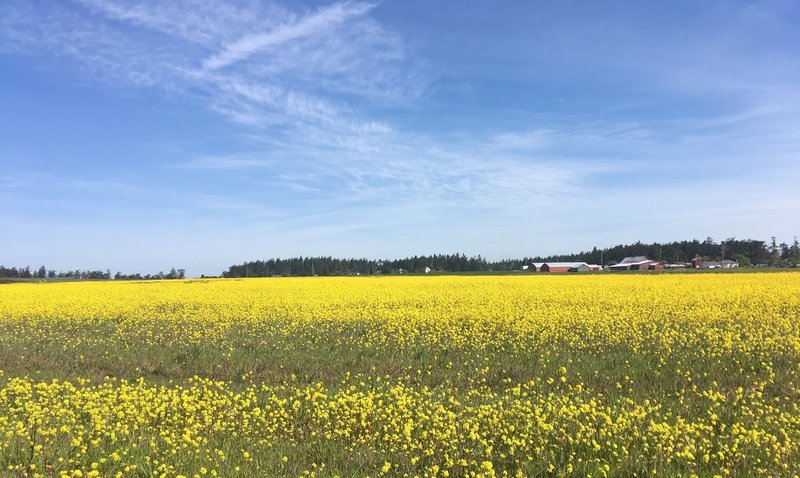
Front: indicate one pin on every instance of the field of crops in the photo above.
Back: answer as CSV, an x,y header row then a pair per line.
x,y
572,375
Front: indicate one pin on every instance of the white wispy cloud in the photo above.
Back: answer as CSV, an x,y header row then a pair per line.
x,y
336,48
321,22
198,21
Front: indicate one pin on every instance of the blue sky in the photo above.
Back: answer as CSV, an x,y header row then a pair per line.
x,y
138,135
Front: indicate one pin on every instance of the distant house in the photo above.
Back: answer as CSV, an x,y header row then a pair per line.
x,y
595,267
537,266
564,267
636,263
725,264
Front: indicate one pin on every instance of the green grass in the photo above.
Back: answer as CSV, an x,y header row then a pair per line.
x,y
335,360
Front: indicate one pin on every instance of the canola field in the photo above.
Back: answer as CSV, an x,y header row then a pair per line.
x,y
562,375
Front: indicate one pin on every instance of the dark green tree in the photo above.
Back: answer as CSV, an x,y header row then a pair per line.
x,y
743,260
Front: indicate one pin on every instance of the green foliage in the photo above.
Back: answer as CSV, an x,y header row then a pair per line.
x,y
743,260
754,252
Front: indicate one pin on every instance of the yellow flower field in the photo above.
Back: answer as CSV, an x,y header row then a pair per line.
x,y
561,375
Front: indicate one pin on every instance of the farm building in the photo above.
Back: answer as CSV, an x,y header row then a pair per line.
x,y
636,263
725,264
564,267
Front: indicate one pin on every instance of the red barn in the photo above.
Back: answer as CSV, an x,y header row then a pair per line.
x,y
564,267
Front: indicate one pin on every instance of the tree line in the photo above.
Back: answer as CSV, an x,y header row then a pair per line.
x,y
745,251
326,266
78,274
